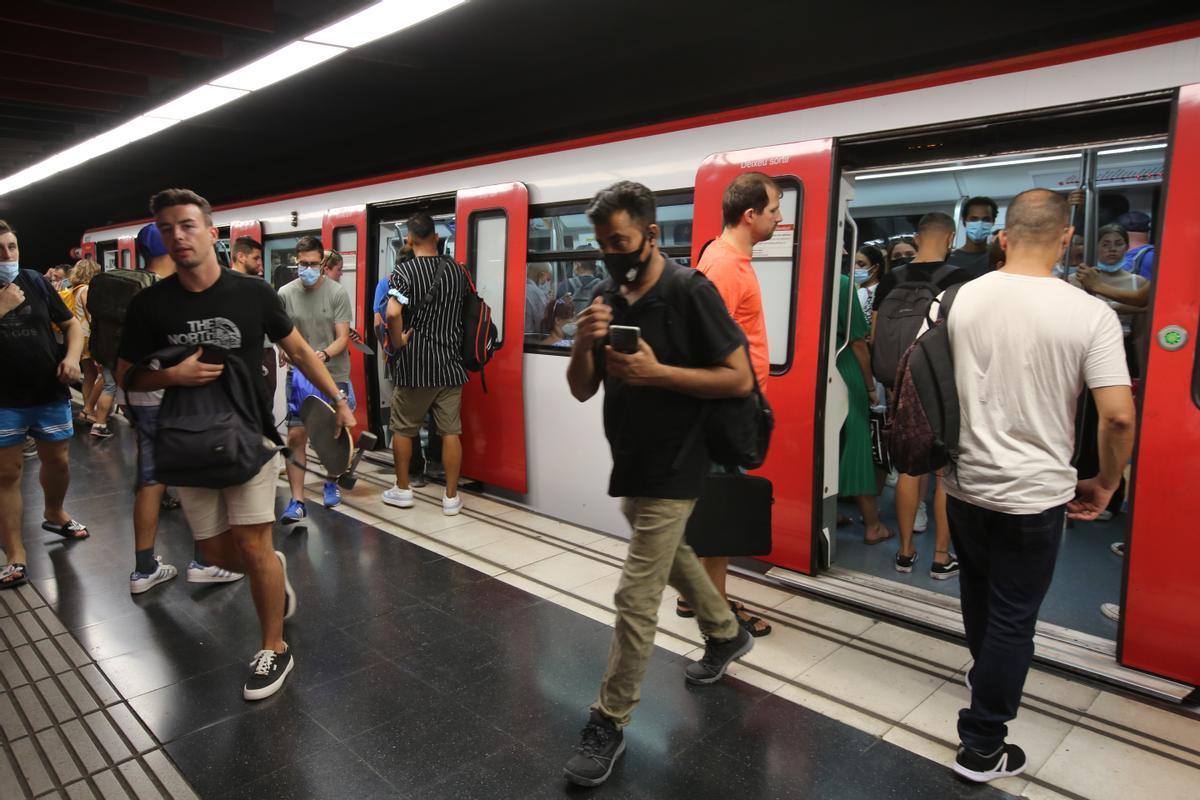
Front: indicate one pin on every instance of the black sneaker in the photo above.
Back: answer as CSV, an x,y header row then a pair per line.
x,y
289,594
718,655
905,563
599,748
1008,760
268,671
941,572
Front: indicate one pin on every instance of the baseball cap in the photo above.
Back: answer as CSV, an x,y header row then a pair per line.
x,y
1135,222
149,241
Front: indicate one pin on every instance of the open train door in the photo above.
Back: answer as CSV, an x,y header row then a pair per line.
x,y
791,270
1160,615
491,239
127,253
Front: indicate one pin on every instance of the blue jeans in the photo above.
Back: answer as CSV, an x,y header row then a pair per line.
x,y
1006,564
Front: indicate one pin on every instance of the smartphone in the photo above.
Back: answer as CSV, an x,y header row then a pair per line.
x,y
213,355
624,338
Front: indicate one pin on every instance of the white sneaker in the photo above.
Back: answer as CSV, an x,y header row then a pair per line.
x,y
922,520
1118,548
451,505
289,594
199,573
1111,610
139,582
400,498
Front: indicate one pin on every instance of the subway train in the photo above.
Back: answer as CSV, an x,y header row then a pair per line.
x,y
1118,119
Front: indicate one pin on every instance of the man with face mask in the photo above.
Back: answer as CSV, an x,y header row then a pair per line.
x,y
653,398
34,400
537,297
320,309
978,217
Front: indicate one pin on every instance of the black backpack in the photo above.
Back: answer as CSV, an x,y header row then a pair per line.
x,y
479,333
209,436
900,318
923,423
109,295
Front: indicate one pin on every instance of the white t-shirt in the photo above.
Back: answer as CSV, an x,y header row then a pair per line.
x,y
1024,348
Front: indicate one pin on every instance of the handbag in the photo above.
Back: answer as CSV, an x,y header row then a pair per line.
x,y
879,448
732,516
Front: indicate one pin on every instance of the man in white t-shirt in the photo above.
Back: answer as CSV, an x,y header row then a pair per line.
x,y
1024,346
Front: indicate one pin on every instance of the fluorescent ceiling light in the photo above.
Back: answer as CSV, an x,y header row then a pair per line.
x,y
1135,149
274,67
196,102
138,128
382,19
961,167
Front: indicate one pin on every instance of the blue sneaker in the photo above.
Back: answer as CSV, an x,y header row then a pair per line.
x,y
333,497
294,512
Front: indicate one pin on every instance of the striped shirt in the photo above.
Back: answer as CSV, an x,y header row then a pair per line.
x,y
433,356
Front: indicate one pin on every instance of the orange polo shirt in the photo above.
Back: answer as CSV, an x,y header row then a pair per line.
x,y
737,283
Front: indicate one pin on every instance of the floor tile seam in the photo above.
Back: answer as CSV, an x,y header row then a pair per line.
x,y
44,757
1105,722
80,767
804,627
7,753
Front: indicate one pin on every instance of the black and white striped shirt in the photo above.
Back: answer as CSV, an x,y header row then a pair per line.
x,y
433,356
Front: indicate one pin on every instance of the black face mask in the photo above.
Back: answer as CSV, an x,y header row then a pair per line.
x,y
627,268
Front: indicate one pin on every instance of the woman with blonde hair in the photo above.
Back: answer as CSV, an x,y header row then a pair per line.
x,y
77,280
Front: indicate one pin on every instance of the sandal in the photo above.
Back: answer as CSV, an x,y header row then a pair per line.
x,y
169,503
682,609
12,576
891,534
68,530
755,626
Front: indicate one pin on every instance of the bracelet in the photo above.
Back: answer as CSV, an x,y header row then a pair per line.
x,y
322,352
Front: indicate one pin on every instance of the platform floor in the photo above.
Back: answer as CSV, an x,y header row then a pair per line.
x,y
455,657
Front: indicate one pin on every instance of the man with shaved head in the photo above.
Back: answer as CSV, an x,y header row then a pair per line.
x,y
1024,346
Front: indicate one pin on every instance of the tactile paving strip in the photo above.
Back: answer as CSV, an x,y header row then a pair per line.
x,y
67,732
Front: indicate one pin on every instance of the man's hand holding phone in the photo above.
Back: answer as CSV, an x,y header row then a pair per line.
x,y
641,368
201,367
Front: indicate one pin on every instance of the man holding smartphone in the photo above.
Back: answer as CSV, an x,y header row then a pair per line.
x,y
685,350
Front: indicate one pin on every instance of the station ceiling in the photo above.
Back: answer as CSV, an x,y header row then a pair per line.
x,y
488,76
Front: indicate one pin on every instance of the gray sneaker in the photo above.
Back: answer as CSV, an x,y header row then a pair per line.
x,y
718,655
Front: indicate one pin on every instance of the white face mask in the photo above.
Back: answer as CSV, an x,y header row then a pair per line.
x,y
569,330
8,272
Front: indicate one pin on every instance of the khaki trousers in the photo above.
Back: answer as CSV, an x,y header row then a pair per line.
x,y
658,555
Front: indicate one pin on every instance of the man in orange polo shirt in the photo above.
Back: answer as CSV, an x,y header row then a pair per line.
x,y
750,209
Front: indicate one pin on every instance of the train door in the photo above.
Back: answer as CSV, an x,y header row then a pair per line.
x,y
491,239
390,225
344,231
791,271
1160,607
126,253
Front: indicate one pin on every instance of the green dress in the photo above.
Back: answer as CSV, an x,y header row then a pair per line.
x,y
856,469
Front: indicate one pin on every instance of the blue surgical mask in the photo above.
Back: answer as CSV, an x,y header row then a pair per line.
x,y
1063,272
569,330
861,276
310,275
1116,266
8,272
979,231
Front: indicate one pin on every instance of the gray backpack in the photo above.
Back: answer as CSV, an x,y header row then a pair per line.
x,y
900,318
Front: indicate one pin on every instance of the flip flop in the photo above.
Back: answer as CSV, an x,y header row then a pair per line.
x,y
68,530
891,534
682,609
12,576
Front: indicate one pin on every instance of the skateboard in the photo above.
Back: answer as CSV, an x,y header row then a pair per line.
x,y
339,458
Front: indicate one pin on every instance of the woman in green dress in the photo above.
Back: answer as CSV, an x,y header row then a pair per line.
x,y
856,470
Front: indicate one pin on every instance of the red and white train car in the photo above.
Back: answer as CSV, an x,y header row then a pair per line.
x,y
1120,117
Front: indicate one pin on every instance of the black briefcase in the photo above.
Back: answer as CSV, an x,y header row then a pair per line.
x,y
732,517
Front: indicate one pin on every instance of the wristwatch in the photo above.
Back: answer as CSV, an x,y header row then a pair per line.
x,y
341,395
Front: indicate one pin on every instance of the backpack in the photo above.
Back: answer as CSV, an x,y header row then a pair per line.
x,y
900,318
923,424
1139,260
108,301
68,297
737,430
208,436
479,333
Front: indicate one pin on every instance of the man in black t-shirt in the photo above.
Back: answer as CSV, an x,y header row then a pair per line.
x,y
935,235
218,309
34,400
689,350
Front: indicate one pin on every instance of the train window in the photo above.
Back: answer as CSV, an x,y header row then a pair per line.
x,y
108,258
488,262
775,263
124,259
345,244
564,266
279,257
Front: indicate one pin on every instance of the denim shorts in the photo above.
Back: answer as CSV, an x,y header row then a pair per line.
x,y
145,423
49,422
